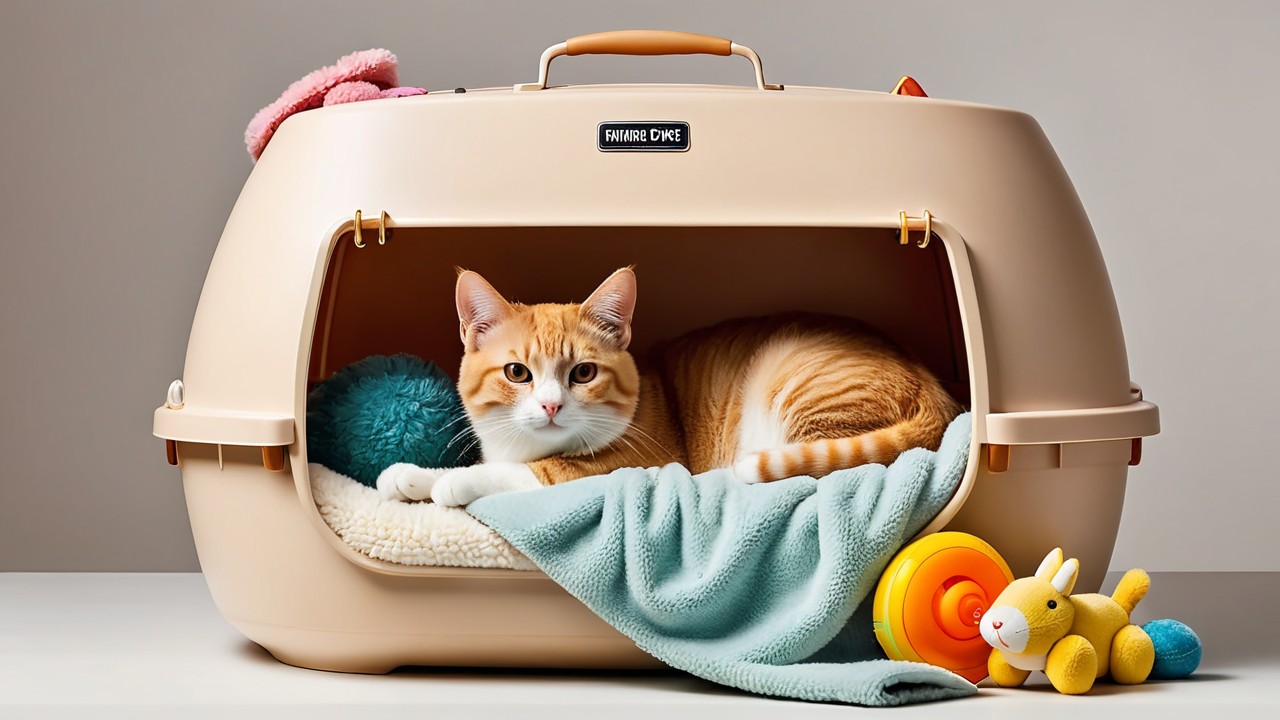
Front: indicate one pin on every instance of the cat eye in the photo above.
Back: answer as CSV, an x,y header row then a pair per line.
x,y
582,373
1053,604
517,373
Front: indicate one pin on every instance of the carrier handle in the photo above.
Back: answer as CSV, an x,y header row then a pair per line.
x,y
646,42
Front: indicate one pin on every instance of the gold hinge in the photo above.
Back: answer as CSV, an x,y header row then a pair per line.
x,y
907,223
383,218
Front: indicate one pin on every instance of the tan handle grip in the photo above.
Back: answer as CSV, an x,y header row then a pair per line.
x,y
647,42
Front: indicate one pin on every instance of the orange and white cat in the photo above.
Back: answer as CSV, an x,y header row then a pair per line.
x,y
553,396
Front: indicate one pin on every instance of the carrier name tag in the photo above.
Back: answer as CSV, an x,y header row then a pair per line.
x,y
636,136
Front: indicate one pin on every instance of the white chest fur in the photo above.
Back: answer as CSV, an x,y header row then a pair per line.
x,y
762,426
1025,662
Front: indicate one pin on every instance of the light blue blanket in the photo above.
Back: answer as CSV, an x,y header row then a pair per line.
x,y
766,588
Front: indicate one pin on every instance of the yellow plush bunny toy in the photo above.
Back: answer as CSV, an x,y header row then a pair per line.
x,y
1037,624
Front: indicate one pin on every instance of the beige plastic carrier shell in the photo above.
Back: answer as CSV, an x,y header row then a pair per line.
x,y
786,199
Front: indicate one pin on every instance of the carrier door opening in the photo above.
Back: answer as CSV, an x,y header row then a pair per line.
x,y
399,297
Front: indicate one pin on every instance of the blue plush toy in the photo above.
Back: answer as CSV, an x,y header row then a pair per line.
x,y
383,410
1178,649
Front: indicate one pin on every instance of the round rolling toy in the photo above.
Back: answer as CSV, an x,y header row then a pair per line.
x,y
931,598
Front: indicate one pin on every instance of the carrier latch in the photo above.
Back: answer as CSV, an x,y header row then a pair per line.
x,y
998,455
175,422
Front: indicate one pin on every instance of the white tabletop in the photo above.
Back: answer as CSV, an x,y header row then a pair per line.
x,y
153,645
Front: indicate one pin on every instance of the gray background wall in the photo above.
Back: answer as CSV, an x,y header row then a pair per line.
x,y
121,156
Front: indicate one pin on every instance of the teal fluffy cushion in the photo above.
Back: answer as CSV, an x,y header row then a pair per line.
x,y
384,410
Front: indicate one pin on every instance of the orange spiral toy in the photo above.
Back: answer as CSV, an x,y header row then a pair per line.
x,y
931,598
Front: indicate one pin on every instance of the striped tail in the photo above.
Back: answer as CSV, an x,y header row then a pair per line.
x,y
1132,588
820,457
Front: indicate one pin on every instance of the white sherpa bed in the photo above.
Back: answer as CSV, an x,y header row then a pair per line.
x,y
407,533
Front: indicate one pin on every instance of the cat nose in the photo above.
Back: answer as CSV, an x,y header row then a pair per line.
x,y
551,409
997,624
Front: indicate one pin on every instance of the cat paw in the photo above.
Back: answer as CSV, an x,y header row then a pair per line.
x,y
453,490
462,486
747,469
406,482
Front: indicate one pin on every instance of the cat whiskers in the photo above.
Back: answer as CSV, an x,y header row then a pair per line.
x,y
589,435
585,442
509,433
475,440
460,434
461,417
507,430
654,444
498,423
469,429
628,426
611,437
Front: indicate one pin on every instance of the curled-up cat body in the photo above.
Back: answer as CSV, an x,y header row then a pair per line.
x,y
553,396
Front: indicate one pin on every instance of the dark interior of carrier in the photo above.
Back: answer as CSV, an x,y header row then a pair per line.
x,y
398,297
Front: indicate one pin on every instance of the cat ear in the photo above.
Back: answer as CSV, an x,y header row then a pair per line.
x,y
612,304
480,308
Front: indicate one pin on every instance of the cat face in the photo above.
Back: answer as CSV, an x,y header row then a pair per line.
x,y
542,380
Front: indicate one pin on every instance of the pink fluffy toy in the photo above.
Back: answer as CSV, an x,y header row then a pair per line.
x,y
364,75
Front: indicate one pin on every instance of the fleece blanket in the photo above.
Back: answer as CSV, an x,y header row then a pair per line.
x,y
765,588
